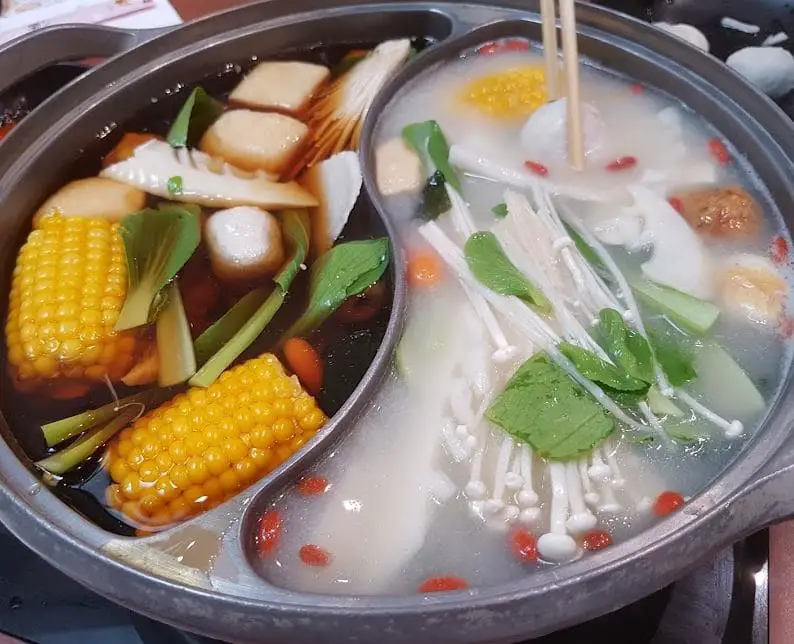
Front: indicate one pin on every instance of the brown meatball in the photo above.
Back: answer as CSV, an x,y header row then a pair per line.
x,y
722,212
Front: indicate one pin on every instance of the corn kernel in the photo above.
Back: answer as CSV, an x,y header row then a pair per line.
x,y
512,93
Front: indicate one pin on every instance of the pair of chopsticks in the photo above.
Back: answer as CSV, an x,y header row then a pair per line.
x,y
570,53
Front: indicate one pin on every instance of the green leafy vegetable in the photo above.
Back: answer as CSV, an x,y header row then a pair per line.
x,y
590,256
594,368
544,408
691,313
661,405
213,338
500,210
69,458
342,272
177,359
493,269
683,434
157,244
295,227
627,348
199,112
61,430
175,186
435,200
347,63
429,142
676,361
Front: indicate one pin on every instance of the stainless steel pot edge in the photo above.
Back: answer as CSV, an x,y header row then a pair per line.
x,y
474,617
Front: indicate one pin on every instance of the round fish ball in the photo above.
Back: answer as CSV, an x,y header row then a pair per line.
x,y
244,243
771,69
691,34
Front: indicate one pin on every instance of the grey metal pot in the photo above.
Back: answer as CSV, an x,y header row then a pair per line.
x,y
211,588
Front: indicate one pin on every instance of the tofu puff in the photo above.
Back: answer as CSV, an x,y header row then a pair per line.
x,y
280,86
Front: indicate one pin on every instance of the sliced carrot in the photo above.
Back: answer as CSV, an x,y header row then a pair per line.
x,y
424,268
304,361
127,146
443,584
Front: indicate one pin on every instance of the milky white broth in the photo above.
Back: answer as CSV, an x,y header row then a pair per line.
x,y
396,511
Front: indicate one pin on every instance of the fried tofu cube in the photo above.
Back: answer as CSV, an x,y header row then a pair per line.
x,y
254,140
282,86
397,168
244,243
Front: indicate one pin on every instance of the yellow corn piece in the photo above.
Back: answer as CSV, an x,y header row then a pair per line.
x,y
205,445
512,93
67,290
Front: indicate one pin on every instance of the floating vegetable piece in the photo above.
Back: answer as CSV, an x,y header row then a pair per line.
x,y
724,385
435,198
295,226
130,141
686,32
679,259
693,314
489,264
304,361
197,114
589,365
93,198
424,268
145,370
398,168
174,341
255,140
674,357
69,458
244,243
543,407
77,265
157,243
500,210
512,93
217,464
205,181
661,405
285,86
722,212
336,182
625,346
224,329
336,117
428,141
344,271
751,287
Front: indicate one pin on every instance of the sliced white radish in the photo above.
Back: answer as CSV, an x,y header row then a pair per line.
x,y
244,243
156,167
679,259
336,182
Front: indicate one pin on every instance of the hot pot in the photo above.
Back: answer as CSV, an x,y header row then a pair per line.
x,y
187,576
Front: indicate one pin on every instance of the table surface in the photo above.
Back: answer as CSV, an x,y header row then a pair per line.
x,y
781,559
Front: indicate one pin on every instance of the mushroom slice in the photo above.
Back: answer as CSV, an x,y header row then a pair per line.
x,y
336,182
244,243
255,141
752,287
94,197
336,117
194,177
285,86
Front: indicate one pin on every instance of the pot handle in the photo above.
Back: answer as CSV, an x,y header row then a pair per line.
x,y
24,56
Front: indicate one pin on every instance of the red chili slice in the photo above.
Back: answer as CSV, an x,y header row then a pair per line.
x,y
524,545
779,250
312,486
667,503
269,532
313,555
677,204
636,88
622,163
719,151
537,168
443,584
488,48
597,540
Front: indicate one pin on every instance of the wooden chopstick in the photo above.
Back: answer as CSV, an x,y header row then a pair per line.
x,y
548,18
570,53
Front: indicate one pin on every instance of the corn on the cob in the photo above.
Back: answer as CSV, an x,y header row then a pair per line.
x,y
515,92
203,446
67,290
